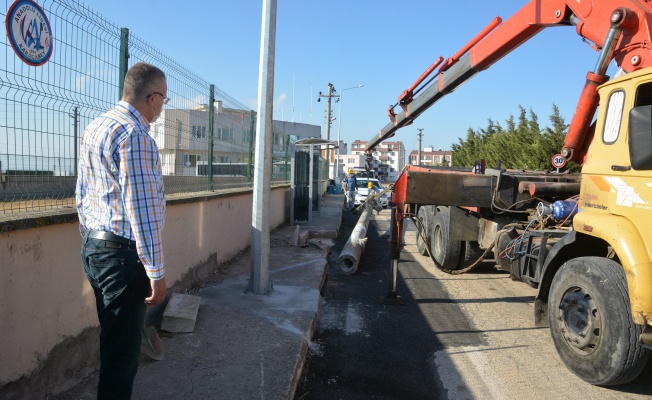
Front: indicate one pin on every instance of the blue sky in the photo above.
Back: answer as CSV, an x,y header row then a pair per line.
x,y
384,45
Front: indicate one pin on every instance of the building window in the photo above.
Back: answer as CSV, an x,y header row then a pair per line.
x,y
198,131
351,161
225,133
190,160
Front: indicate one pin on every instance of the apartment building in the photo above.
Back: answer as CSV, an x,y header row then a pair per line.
x,y
388,158
432,157
182,138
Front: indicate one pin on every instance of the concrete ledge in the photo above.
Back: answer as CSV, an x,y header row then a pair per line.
x,y
39,219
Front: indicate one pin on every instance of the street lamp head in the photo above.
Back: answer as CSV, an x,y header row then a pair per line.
x,y
352,87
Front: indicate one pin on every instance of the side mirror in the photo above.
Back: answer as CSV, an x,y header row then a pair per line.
x,y
640,138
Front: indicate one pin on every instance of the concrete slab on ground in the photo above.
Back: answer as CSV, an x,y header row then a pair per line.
x,y
181,313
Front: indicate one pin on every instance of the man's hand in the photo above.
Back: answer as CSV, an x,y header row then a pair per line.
x,y
158,292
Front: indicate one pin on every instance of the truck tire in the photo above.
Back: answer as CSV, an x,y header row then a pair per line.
x,y
446,252
591,322
423,233
470,253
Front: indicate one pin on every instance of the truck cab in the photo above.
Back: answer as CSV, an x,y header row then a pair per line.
x,y
616,191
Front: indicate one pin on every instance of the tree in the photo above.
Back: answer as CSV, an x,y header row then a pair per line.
x,y
522,145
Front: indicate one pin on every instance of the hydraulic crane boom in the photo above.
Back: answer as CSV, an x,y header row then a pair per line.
x,y
619,29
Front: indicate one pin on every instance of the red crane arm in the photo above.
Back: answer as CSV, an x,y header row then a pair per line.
x,y
619,29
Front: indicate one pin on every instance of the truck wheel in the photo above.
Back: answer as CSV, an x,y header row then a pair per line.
x,y
446,252
471,252
423,235
591,322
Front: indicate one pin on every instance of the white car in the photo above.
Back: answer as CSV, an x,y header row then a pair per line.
x,y
363,191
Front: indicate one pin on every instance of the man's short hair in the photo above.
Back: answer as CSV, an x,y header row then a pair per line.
x,y
140,80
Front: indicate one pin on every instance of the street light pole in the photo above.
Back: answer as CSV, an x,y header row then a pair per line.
x,y
420,135
339,128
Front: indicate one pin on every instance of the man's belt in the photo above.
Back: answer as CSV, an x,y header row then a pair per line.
x,y
110,237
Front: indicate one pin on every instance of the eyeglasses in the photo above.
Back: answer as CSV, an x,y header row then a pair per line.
x,y
166,100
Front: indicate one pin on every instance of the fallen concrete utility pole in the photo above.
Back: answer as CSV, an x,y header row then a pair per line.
x,y
347,262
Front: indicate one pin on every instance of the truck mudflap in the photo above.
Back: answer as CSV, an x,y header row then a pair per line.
x,y
563,250
646,337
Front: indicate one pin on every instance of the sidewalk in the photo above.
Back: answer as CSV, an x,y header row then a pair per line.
x,y
244,346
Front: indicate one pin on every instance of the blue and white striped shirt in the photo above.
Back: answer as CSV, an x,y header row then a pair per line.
x,y
120,185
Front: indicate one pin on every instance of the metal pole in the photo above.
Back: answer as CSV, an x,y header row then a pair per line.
x,y
211,115
259,281
287,156
251,143
311,182
124,59
420,134
328,112
339,128
76,133
395,244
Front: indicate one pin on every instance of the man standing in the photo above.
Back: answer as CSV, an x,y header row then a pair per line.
x,y
351,189
121,206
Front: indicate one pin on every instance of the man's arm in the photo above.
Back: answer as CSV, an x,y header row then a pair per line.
x,y
143,199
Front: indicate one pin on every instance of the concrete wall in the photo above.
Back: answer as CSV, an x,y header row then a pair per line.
x,y
47,306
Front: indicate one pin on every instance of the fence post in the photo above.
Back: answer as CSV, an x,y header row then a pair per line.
x,y
251,144
287,156
124,59
76,133
211,115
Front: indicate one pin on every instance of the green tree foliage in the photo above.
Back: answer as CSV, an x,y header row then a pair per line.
x,y
521,145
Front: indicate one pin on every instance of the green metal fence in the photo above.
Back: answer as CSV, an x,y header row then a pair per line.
x,y
44,110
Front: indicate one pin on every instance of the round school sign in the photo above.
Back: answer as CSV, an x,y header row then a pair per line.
x,y
29,32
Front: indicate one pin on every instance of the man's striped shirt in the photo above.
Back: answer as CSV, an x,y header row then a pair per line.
x,y
120,185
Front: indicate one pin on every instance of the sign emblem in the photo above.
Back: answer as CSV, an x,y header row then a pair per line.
x,y
29,32
558,161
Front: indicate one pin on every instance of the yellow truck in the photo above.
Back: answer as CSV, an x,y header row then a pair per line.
x,y
583,240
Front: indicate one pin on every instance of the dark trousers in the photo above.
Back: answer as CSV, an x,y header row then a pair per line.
x,y
120,285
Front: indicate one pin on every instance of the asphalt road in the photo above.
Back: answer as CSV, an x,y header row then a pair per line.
x,y
466,336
